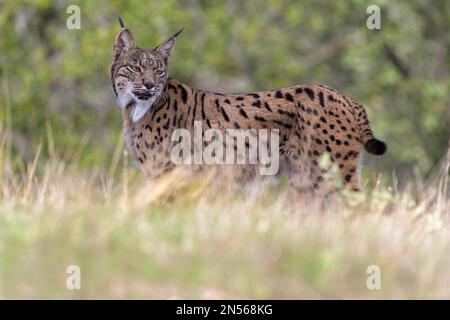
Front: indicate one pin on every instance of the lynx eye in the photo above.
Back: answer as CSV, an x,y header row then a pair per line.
x,y
160,73
134,68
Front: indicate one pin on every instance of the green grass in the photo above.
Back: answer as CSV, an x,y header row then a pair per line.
x,y
195,238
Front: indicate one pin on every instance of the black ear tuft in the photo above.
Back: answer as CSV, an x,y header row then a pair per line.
x,y
178,32
166,47
122,25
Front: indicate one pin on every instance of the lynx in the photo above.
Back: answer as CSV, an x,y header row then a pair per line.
x,y
311,119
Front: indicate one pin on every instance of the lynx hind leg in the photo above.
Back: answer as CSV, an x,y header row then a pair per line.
x,y
312,171
306,179
347,159
350,170
306,173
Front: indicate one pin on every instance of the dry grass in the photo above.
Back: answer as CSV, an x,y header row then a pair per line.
x,y
194,238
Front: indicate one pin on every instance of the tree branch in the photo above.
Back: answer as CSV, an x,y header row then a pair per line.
x,y
392,56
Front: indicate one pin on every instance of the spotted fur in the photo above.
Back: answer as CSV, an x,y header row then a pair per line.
x,y
312,119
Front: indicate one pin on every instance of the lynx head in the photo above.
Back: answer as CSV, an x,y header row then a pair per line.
x,y
138,75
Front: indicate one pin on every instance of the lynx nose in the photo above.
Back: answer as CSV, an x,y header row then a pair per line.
x,y
149,85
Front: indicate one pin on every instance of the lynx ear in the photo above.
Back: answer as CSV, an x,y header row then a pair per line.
x,y
166,47
124,41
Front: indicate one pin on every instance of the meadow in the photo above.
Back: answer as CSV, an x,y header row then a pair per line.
x,y
196,237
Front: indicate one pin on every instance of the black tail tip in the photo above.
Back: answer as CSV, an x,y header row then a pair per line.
x,y
375,146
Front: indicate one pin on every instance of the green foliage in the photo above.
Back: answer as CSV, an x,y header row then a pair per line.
x,y
57,78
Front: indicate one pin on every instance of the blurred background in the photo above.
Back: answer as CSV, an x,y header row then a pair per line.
x,y
69,195
55,84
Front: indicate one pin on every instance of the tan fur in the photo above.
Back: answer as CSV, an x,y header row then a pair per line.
x,y
312,119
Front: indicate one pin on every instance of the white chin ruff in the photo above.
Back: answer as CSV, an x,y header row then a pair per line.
x,y
140,108
123,100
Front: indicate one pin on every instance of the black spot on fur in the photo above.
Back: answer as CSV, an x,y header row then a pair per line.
x,y
321,99
203,106
243,113
283,124
310,93
172,87
225,115
257,104
289,97
183,93
222,110
288,113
